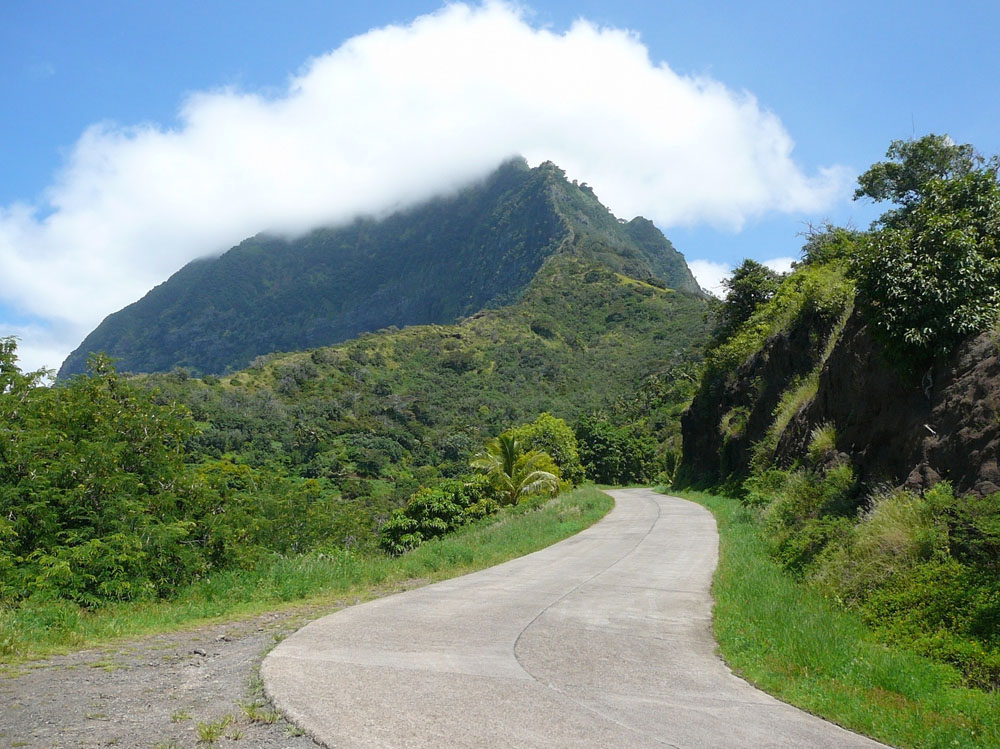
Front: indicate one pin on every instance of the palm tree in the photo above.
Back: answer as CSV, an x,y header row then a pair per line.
x,y
515,473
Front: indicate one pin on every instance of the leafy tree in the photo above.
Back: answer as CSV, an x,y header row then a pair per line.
x,y
516,474
829,244
928,275
551,435
750,285
913,165
91,486
615,454
99,502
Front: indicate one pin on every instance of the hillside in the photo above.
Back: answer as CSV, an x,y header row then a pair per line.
x,y
376,416
886,337
434,263
854,410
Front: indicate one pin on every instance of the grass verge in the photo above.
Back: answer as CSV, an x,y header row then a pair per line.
x,y
38,628
791,642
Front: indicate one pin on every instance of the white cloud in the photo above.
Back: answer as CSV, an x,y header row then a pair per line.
x,y
388,118
780,264
710,275
39,346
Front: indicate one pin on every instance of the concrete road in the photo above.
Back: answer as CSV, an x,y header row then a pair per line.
x,y
602,640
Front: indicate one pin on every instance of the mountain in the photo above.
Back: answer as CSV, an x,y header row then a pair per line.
x,y
379,415
435,263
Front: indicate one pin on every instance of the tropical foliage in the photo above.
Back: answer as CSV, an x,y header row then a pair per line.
x,y
435,512
516,474
929,273
616,453
379,417
98,501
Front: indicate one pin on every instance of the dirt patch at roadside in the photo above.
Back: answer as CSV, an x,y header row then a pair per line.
x,y
165,690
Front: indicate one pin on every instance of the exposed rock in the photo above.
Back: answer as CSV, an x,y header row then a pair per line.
x,y
897,428
720,427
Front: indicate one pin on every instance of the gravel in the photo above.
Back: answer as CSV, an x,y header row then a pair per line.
x,y
156,691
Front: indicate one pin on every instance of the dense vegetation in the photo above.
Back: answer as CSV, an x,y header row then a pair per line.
x,y
378,417
918,566
100,499
929,272
433,263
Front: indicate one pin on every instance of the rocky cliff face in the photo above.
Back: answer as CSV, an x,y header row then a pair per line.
x,y
896,428
909,429
726,420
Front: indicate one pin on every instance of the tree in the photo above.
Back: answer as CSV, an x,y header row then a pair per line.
x,y
913,165
928,275
750,285
551,435
829,244
615,454
91,486
516,474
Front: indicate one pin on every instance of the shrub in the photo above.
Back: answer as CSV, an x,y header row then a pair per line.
x,y
431,513
810,510
763,486
912,568
553,436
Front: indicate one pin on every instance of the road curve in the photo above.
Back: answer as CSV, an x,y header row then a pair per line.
x,y
602,640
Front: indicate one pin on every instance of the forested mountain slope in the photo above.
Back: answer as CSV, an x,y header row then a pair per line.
x,y
379,415
434,263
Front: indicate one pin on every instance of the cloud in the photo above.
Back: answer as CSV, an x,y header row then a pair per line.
x,y
389,118
780,264
710,275
38,345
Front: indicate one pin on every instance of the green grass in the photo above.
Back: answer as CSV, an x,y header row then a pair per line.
x,y
790,641
209,733
40,628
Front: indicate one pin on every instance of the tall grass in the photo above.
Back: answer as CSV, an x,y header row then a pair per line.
x,y
42,627
792,642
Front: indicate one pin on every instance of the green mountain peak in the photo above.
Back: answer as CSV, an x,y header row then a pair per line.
x,y
435,263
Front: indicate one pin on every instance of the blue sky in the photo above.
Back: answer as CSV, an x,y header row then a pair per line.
x,y
843,79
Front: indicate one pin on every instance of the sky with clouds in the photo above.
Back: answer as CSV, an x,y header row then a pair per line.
x,y
136,139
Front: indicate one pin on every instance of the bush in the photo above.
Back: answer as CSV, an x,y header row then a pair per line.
x,y
811,509
553,436
913,568
431,513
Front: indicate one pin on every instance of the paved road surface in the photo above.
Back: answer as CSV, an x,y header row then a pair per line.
x,y
603,640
